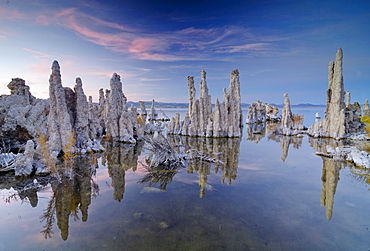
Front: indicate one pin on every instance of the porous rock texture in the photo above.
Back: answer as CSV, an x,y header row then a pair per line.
x,y
143,109
260,112
95,128
81,125
22,116
291,124
24,161
225,120
366,108
70,117
120,123
340,121
59,120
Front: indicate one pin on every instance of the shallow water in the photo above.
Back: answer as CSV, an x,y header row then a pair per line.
x,y
265,193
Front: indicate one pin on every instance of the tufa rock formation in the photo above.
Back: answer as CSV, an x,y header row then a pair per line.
x,y
22,116
119,123
81,126
224,121
291,124
341,119
59,120
24,161
261,112
69,116
366,108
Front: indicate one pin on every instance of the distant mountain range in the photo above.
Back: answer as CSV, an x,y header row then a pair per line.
x,y
185,105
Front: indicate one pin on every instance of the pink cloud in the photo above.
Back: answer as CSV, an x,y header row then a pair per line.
x,y
42,67
186,44
154,79
43,20
139,96
38,54
8,14
141,45
107,74
87,27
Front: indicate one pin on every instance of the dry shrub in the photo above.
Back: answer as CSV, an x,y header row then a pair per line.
x,y
69,148
366,120
50,161
140,119
69,151
297,119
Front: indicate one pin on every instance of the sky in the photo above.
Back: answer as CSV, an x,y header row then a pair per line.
x,y
279,46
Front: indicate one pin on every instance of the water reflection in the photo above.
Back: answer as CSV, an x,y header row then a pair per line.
x,y
177,215
71,197
119,158
330,168
330,178
160,175
285,142
220,153
24,189
257,131
330,172
202,154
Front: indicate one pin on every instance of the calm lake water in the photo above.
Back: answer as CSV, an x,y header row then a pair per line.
x,y
264,193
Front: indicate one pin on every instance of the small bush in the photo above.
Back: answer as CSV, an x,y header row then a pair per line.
x,y
50,162
366,120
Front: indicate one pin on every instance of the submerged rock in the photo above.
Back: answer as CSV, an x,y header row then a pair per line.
x,y
152,190
163,225
347,153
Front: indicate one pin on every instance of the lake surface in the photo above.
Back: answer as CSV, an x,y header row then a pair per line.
x,y
262,193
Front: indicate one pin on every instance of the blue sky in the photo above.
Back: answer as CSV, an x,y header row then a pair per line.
x,y
278,46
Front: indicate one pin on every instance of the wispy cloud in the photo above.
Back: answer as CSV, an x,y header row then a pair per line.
x,y
154,79
11,14
187,44
253,74
246,47
106,74
38,54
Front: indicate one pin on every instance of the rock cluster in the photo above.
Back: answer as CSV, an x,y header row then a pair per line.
x,y
224,121
68,118
260,112
22,116
347,153
341,119
120,124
